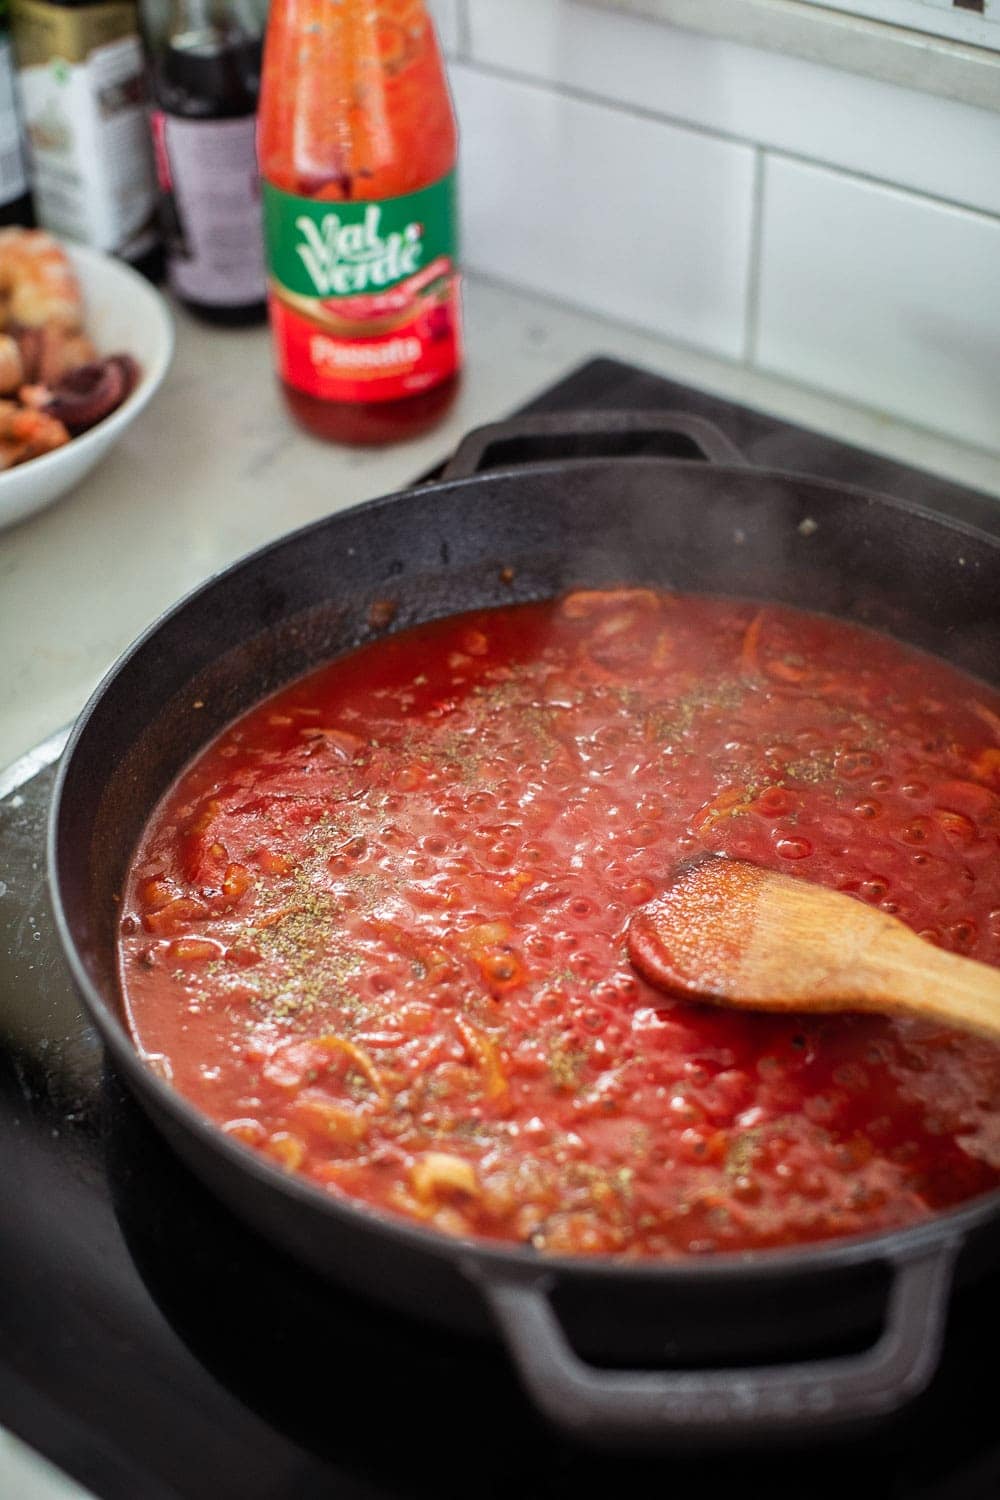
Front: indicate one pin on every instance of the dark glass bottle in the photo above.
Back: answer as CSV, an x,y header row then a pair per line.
x,y
204,70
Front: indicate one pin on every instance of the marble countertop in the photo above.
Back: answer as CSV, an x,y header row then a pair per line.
x,y
215,467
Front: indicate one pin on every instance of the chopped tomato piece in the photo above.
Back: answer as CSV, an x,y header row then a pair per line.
x,y
175,915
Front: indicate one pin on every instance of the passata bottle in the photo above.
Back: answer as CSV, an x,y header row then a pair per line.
x,y
357,147
204,71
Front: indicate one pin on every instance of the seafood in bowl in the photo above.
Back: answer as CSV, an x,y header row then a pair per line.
x,y
130,327
53,386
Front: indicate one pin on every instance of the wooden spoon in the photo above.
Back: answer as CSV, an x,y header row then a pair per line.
x,y
736,935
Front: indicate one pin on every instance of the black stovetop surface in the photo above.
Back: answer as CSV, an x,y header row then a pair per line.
x,y
156,1350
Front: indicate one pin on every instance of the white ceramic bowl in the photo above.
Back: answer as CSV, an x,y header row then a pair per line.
x,y
125,315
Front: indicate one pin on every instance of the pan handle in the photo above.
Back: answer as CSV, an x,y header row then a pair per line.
x,y
593,434
732,1405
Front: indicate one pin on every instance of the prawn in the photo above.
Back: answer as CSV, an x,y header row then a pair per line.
x,y
46,359
38,285
11,365
25,433
41,307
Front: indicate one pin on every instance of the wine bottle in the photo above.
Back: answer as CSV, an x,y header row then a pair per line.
x,y
204,75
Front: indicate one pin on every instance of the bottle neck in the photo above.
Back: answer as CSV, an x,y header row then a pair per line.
x,y
354,101
207,63
205,24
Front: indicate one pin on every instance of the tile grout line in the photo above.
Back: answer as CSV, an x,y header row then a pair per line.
x,y
464,41
756,260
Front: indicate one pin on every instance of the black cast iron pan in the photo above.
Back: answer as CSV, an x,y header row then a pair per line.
x,y
729,1348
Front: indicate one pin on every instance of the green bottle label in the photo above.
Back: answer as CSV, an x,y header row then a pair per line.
x,y
364,296
357,248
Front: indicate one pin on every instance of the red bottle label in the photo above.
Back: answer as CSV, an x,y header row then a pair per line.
x,y
364,296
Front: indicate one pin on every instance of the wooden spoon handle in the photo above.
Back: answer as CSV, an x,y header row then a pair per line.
x,y
918,979
851,957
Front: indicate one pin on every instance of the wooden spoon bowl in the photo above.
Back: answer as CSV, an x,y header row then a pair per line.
x,y
733,934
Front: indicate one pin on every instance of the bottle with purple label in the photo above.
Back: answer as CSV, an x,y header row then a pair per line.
x,y
204,66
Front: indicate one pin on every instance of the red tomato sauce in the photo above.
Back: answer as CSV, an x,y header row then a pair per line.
x,y
376,930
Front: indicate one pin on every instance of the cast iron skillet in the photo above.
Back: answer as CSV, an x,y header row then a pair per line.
x,y
726,1348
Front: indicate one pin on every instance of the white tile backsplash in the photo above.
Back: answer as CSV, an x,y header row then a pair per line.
x,y
631,216
882,297
616,162
896,134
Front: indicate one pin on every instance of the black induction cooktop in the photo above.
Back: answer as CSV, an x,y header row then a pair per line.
x,y
155,1349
